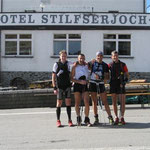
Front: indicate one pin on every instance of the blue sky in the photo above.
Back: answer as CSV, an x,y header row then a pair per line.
x,y
148,4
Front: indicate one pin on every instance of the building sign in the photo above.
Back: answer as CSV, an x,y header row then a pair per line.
x,y
74,19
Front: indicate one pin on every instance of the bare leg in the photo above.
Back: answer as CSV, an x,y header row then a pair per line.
x,y
78,97
122,101
105,102
86,103
94,102
114,102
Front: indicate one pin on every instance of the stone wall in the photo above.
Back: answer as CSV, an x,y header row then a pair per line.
x,y
27,77
34,98
28,99
140,75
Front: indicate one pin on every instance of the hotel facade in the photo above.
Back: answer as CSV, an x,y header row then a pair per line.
x,y
33,33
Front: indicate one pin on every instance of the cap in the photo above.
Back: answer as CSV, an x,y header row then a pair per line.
x,y
99,53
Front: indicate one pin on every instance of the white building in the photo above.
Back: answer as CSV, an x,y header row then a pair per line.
x,y
33,33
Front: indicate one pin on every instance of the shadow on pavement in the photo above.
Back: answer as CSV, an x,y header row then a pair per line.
x,y
128,125
136,125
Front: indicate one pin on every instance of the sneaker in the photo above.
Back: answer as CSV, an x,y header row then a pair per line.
x,y
116,121
87,122
78,121
111,120
70,123
58,123
122,121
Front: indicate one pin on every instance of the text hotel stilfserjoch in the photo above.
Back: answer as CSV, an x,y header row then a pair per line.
x,y
91,19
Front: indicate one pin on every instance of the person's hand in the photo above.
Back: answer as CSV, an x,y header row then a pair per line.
x,y
83,82
93,61
96,76
75,63
55,92
126,79
85,63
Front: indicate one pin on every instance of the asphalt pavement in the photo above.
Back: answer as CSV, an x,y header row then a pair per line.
x,y
35,129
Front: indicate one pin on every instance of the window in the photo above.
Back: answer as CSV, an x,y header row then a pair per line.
x,y
118,42
69,42
18,44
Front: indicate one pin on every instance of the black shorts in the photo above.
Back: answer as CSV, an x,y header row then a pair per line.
x,y
116,88
62,92
80,88
93,88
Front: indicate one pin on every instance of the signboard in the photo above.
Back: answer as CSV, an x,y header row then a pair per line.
x,y
74,19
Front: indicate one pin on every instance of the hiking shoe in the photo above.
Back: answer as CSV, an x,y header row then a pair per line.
x,y
96,122
111,120
122,121
78,121
87,122
58,123
70,123
116,121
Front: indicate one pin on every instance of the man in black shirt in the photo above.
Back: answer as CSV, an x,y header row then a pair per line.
x,y
62,85
118,77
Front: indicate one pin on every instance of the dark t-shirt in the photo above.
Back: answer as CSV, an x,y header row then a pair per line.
x,y
99,69
63,75
117,69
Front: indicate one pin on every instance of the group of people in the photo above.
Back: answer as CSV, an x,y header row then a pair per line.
x,y
89,78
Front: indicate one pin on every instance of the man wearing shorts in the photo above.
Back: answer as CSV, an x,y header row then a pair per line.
x,y
99,76
62,85
118,77
79,76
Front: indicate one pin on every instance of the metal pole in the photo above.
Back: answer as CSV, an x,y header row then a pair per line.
x,y
1,6
92,9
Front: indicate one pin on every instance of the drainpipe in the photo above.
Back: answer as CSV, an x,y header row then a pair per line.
x,y
0,60
144,6
1,6
1,48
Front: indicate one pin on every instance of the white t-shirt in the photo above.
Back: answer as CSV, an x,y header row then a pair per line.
x,y
81,70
